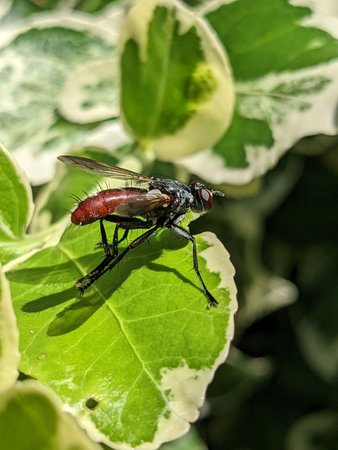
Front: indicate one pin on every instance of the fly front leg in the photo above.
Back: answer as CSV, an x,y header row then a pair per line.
x,y
186,235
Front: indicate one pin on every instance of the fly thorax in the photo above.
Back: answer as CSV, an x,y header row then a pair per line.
x,y
184,201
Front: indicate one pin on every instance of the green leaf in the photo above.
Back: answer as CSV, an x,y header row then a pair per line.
x,y
36,66
270,39
16,207
31,418
241,131
16,204
283,91
176,87
140,346
9,337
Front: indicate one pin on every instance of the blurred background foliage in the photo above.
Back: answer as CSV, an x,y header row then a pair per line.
x,y
279,387
288,377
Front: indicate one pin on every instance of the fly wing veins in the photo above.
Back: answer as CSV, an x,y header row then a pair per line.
x,y
103,169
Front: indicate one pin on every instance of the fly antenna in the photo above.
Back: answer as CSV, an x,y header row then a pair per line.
x,y
218,193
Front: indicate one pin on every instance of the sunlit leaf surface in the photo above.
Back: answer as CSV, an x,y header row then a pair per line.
x,y
134,355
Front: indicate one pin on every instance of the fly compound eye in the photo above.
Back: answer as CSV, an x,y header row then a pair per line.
x,y
206,197
202,197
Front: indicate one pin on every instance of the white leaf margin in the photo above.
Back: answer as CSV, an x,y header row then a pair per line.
x,y
73,93
321,117
187,386
9,337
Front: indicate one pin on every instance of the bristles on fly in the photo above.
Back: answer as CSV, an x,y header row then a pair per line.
x,y
75,198
98,186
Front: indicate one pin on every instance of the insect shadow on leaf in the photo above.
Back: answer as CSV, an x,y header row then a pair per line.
x,y
72,316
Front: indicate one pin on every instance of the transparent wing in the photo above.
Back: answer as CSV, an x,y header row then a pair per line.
x,y
139,205
100,168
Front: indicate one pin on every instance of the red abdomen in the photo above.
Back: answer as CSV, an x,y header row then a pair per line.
x,y
101,205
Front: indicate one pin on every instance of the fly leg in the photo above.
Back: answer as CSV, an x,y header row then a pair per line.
x,y
116,240
110,249
110,261
104,241
185,235
126,223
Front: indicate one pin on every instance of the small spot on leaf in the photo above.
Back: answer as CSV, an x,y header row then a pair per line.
x,y
91,403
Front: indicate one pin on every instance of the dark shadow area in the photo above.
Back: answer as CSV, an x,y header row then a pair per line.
x,y
74,315
161,268
49,301
37,275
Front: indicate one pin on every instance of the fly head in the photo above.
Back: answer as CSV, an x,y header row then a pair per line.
x,y
202,197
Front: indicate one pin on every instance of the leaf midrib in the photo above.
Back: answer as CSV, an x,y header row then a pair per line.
x,y
122,328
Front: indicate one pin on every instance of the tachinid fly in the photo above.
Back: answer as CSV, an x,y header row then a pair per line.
x,y
157,203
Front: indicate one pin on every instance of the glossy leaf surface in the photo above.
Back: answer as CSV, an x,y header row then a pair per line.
x,y
140,345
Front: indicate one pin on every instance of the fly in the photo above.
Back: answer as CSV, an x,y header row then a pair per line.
x,y
157,203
